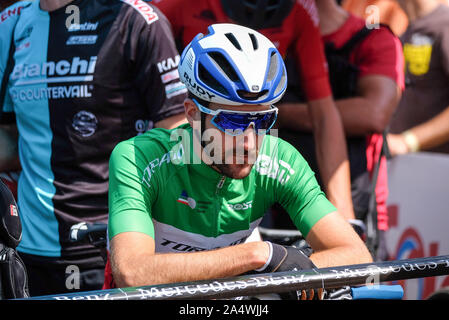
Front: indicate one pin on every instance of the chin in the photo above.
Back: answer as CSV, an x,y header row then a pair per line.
x,y
235,171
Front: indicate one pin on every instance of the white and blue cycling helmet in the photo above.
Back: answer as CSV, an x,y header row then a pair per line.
x,y
233,65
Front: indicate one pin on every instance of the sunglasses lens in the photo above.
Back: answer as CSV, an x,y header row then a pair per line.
x,y
240,122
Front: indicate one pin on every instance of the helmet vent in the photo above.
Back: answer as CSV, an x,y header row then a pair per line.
x,y
210,81
272,71
254,41
224,64
251,96
233,40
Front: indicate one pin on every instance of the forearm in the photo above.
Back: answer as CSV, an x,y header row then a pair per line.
x,y
336,243
294,116
341,256
149,269
360,117
332,157
434,132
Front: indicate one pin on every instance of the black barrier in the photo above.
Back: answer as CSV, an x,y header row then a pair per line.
x,y
252,285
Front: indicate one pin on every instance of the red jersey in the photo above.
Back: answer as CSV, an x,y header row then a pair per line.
x,y
380,53
299,32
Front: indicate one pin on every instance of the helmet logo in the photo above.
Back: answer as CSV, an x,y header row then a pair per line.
x,y
195,87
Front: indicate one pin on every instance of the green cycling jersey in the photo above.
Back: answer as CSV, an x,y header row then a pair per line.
x,y
156,187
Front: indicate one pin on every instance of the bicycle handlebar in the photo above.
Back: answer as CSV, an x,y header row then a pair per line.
x,y
95,232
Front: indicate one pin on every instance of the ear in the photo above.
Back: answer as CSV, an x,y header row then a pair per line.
x,y
191,111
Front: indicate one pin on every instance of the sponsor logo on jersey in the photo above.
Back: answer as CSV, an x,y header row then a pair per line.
x,y
84,123
87,26
25,35
175,89
274,168
170,76
81,40
10,12
168,64
23,46
241,206
77,70
13,210
176,156
143,126
173,245
145,10
59,92
185,199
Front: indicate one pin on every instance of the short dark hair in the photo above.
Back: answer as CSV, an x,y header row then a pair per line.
x,y
200,101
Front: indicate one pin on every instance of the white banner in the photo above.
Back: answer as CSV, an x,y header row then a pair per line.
x,y
418,209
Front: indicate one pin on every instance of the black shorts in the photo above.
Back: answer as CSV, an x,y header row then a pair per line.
x,y
47,276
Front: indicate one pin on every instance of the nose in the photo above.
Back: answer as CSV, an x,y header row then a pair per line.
x,y
249,136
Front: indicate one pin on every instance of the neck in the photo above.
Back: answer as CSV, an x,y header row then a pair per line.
x,y
52,5
416,9
332,16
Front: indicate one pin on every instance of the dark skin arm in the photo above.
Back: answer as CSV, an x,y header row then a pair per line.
x,y
367,113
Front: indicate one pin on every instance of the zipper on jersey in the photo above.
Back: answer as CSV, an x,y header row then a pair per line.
x,y
217,202
220,184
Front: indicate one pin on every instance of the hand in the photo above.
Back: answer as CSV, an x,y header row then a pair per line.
x,y
397,145
288,258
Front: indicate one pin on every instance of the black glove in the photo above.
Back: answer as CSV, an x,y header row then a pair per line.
x,y
288,258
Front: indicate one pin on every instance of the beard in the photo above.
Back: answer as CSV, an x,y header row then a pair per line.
x,y
234,171
237,169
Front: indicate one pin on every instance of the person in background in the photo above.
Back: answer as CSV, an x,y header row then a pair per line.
x,y
291,26
421,120
365,70
390,13
77,78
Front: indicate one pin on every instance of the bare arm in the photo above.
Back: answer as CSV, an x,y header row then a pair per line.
x,y
335,243
135,263
369,112
9,158
332,154
427,135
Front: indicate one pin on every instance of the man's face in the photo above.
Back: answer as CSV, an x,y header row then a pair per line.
x,y
233,156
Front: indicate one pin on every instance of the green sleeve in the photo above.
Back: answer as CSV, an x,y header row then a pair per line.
x,y
130,195
300,193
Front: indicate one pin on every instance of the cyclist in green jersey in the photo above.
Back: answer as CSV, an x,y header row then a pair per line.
x,y
182,202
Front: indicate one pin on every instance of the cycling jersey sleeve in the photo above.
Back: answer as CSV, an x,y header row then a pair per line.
x,y
172,9
299,192
381,54
8,21
155,58
129,199
309,52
